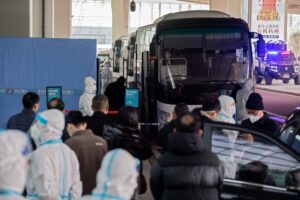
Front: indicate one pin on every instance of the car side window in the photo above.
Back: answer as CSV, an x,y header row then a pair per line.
x,y
296,143
288,132
252,158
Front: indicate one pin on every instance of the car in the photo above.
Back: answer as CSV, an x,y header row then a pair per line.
x,y
257,166
290,133
277,64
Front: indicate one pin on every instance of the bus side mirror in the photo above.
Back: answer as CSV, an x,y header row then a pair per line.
x,y
261,48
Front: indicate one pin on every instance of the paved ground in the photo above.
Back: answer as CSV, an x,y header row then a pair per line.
x,y
279,104
278,86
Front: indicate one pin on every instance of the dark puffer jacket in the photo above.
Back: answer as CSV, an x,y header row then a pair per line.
x,y
187,172
119,136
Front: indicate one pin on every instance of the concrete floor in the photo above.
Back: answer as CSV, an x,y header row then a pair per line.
x,y
146,172
278,86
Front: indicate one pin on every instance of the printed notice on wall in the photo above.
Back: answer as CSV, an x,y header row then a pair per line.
x,y
268,17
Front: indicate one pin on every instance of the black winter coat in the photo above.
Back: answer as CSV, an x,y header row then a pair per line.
x,y
164,133
118,136
265,124
96,122
188,172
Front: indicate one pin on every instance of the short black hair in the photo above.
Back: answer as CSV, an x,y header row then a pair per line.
x,y
56,103
211,104
129,116
75,118
186,123
99,102
30,99
180,109
197,112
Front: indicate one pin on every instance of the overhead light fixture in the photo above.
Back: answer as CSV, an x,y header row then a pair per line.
x,y
132,6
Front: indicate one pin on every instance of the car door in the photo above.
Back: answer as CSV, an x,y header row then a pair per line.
x,y
290,134
256,165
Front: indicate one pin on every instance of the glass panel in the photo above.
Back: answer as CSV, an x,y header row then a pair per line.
x,y
252,158
92,19
149,10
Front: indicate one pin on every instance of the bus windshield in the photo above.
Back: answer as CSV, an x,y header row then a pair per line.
x,y
192,57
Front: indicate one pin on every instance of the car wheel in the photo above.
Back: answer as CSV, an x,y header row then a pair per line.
x,y
296,80
286,81
268,78
258,79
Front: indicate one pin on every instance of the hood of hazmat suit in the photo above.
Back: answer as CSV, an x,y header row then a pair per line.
x,y
15,147
117,178
228,109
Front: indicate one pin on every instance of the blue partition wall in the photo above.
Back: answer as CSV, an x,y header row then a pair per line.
x,y
32,64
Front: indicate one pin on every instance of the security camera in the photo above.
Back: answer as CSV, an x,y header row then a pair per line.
x,y
132,6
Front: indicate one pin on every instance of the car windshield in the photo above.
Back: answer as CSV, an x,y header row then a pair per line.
x,y
193,57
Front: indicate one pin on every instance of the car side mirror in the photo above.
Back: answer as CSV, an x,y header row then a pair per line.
x,y
261,47
292,179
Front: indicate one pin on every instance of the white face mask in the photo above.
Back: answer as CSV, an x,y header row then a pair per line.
x,y
254,118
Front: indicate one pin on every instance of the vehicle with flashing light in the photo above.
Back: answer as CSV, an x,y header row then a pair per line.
x,y
279,63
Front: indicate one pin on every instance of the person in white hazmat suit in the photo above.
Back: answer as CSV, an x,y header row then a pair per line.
x,y
15,147
54,168
241,99
117,177
85,101
106,76
228,109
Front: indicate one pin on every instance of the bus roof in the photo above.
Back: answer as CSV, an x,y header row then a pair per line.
x,y
192,14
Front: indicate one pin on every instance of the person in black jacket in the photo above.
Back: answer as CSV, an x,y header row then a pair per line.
x,y
189,171
100,107
258,119
125,133
115,92
58,104
23,120
164,132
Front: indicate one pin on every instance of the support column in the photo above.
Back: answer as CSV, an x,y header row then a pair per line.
x,y
15,18
58,22
231,7
120,13
49,18
62,18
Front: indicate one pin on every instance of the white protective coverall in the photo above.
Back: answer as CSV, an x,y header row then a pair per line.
x,y
15,147
85,101
228,109
241,99
117,177
54,168
106,76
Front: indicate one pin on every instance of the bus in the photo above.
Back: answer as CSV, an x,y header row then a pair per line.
x,y
123,57
187,57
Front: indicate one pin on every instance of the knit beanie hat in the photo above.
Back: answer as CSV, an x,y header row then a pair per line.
x,y
255,102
